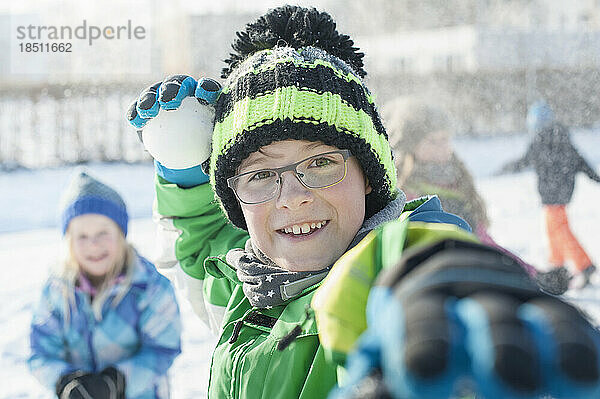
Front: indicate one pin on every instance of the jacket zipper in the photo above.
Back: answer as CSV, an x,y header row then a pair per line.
x,y
91,320
238,372
236,331
254,318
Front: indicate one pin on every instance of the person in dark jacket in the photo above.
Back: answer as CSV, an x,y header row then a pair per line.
x,y
556,162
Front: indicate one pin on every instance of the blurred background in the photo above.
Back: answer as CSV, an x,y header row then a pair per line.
x,y
482,60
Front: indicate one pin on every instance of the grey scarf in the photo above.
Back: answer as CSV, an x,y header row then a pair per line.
x,y
266,285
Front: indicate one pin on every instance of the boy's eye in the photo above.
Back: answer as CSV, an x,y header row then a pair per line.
x,y
321,162
261,175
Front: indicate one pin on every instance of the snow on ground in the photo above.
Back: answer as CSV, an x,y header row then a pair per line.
x,y
29,242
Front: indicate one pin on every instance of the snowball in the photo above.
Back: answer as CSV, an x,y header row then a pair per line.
x,y
180,138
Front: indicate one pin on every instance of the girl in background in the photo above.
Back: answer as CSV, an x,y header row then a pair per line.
x,y
107,324
420,136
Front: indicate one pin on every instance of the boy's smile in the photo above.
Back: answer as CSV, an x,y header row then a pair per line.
x,y
305,229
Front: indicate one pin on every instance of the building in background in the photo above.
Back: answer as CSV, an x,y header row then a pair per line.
x,y
501,35
488,62
476,48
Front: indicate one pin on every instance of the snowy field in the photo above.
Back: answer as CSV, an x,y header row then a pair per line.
x,y
29,242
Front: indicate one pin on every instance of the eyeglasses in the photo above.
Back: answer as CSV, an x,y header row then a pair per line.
x,y
319,171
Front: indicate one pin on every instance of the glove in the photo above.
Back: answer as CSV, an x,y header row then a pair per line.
x,y
178,141
108,384
115,378
555,281
458,318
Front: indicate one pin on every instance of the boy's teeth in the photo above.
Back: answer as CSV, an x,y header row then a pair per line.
x,y
304,228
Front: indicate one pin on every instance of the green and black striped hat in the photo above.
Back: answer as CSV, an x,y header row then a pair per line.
x,y
299,87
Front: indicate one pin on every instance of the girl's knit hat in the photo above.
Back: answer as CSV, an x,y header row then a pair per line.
x,y
293,76
87,195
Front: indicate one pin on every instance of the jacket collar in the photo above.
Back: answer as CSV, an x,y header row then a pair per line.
x,y
392,211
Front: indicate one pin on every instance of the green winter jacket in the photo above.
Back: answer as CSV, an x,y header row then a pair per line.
x,y
247,362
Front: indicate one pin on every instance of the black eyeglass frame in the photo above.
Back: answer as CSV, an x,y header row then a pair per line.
x,y
292,167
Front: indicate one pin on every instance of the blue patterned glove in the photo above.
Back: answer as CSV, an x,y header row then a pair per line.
x,y
178,141
458,318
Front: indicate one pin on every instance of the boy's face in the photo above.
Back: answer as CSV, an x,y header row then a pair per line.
x,y
96,243
339,209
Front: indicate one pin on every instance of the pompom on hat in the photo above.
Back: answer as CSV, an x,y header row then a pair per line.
x,y
86,195
293,76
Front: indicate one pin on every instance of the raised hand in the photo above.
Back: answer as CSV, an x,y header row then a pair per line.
x,y
168,95
457,317
179,139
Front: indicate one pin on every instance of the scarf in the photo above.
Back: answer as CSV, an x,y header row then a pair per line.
x,y
267,285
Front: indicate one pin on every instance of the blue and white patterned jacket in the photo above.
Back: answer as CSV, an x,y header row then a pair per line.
x,y
141,336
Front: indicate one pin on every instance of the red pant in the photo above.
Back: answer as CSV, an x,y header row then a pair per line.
x,y
563,244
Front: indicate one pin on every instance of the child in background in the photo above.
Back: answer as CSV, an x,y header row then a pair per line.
x,y
556,162
107,324
420,136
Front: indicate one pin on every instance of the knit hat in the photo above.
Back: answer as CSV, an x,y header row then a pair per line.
x,y
539,116
87,195
293,76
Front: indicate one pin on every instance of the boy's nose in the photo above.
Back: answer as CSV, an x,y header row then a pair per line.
x,y
292,193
